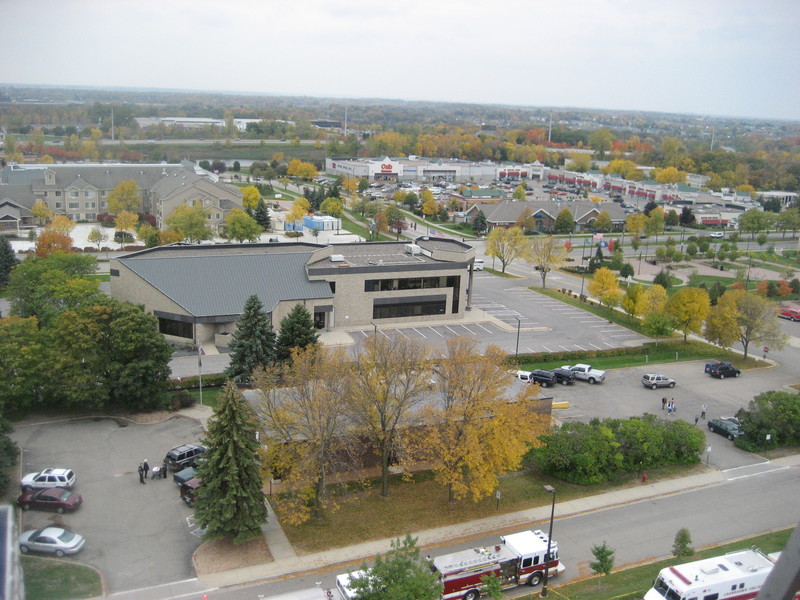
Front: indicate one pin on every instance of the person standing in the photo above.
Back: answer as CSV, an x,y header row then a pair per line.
x,y
141,473
663,402
164,469
146,467
703,412
696,419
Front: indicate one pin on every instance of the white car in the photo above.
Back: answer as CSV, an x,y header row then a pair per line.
x,y
49,478
717,235
478,265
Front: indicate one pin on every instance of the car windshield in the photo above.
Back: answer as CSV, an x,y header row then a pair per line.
x,y
64,495
66,537
662,588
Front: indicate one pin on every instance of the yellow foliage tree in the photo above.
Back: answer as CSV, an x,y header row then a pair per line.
x,y
124,196
250,197
300,208
670,175
689,306
506,245
604,287
126,221
50,241
635,223
652,300
301,169
429,205
474,433
61,224
41,211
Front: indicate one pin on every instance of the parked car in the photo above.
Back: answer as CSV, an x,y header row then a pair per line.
x,y
478,264
716,235
189,491
184,475
183,456
655,380
722,370
53,540
564,376
728,428
540,376
587,373
49,478
57,499
792,314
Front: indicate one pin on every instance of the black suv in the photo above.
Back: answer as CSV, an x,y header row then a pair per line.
x,y
543,378
564,376
184,456
722,370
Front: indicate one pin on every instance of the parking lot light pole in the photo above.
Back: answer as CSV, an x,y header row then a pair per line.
x,y
516,350
550,490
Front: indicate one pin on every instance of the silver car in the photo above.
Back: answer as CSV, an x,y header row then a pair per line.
x,y
53,540
655,380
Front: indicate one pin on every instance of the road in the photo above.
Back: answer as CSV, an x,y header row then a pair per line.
x,y
740,507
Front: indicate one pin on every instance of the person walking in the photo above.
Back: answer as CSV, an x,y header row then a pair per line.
x,y
141,473
703,412
663,402
674,408
146,467
696,419
669,409
164,469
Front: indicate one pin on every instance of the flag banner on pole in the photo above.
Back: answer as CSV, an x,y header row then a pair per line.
x,y
598,236
199,353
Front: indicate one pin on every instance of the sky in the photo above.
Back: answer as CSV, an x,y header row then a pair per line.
x,y
709,57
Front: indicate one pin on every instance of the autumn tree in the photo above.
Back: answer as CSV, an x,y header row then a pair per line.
x,y
23,354
230,503
242,227
250,197
474,433
565,223
506,245
300,208
670,175
546,253
51,241
403,574
125,222
389,382
61,224
519,192
301,169
605,288
191,222
124,197
744,317
603,222
429,204
600,140
332,206
632,294
634,224
41,211
658,325
97,236
689,307
308,432
651,300
654,224
296,331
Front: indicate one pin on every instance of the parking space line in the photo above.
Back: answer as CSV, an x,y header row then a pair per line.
x,y
484,328
420,333
564,348
434,331
547,349
598,347
580,347
609,345
451,329
401,333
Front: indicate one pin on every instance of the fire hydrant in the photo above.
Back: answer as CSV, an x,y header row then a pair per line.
x,y
644,477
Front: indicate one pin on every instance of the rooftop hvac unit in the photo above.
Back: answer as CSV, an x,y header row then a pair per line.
x,y
412,249
337,257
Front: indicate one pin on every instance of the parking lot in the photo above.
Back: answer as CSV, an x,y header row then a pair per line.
x,y
137,535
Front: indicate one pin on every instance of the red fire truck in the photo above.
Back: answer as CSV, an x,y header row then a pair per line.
x,y
518,558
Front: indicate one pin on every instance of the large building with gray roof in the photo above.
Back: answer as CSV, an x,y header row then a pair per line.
x,y
80,191
198,292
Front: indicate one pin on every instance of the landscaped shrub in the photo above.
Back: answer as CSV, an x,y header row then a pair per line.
x,y
193,382
181,399
771,420
583,453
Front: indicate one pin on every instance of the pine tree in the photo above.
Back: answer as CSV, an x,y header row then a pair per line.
x,y
297,331
253,343
230,501
8,260
261,215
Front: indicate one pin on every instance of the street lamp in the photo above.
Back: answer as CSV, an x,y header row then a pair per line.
x,y
375,333
550,490
516,350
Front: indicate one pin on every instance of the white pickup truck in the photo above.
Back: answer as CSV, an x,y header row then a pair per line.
x,y
587,373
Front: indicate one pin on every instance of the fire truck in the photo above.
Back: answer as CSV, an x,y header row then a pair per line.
x,y
734,576
518,558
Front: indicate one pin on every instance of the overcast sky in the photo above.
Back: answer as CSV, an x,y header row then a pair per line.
x,y
716,57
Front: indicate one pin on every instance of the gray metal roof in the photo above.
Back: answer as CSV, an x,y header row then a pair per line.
x,y
220,284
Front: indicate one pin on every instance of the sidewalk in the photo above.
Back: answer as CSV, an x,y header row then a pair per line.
x,y
287,564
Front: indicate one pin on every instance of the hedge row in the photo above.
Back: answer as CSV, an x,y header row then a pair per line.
x,y
578,355
193,382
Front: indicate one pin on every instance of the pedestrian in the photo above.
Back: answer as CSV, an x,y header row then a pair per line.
x,y
703,412
146,467
663,402
141,473
669,408
164,469
674,408
696,419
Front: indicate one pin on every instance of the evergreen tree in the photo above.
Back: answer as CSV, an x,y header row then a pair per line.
x,y
662,279
261,215
297,331
479,224
8,260
682,546
230,502
253,343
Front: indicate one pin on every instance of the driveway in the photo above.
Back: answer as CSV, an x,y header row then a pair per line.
x,y
137,535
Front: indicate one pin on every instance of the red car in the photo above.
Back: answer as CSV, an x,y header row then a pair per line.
x,y
792,314
57,499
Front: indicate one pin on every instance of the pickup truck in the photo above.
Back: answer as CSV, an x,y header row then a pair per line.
x,y
587,373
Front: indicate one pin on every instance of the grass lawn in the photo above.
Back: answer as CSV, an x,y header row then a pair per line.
x,y
633,583
355,228
100,277
210,396
420,503
49,579
501,274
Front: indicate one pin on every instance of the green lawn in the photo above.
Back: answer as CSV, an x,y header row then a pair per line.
x,y
633,583
49,579
210,396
